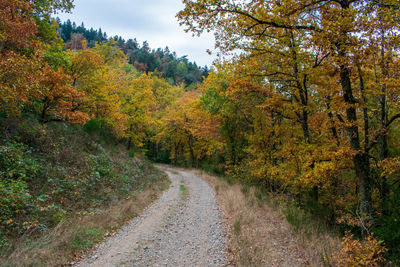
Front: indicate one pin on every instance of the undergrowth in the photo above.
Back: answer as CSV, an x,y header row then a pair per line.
x,y
54,174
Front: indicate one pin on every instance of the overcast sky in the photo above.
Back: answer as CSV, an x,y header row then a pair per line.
x,y
151,20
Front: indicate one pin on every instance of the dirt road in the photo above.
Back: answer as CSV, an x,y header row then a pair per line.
x,y
182,228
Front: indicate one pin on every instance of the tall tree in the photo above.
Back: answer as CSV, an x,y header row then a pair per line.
x,y
340,29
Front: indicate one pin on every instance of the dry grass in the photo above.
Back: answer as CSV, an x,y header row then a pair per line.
x,y
260,233
76,236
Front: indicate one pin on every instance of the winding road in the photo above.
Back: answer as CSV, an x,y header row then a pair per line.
x,y
182,228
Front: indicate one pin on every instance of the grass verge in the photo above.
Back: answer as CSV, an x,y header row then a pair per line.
x,y
268,230
73,238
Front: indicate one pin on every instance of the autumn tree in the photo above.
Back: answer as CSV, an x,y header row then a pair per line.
x,y
139,102
58,99
188,131
335,32
31,62
83,64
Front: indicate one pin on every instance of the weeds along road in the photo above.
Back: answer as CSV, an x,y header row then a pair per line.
x,y
182,228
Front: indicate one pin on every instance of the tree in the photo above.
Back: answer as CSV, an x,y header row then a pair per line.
x,y
26,77
338,30
188,131
17,26
58,99
139,102
83,64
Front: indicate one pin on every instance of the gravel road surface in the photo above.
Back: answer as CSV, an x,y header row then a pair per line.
x,y
182,228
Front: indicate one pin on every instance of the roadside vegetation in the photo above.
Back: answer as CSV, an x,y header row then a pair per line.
x,y
63,190
306,109
268,229
306,114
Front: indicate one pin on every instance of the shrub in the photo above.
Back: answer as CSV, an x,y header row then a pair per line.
x,y
356,253
92,126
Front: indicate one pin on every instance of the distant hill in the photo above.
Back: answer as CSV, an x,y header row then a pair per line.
x,y
174,69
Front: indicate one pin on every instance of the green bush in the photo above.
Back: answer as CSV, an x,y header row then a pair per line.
x,y
17,167
388,228
92,126
17,162
15,202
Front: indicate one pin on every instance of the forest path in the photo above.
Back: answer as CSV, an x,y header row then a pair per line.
x,y
182,228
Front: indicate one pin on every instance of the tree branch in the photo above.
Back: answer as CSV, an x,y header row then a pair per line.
x,y
395,117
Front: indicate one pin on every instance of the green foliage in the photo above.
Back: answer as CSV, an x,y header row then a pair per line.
x,y
57,57
15,201
49,172
160,61
163,157
46,31
212,167
92,126
44,8
85,237
212,101
17,163
388,228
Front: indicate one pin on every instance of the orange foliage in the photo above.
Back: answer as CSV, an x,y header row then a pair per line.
x,y
25,77
59,98
19,80
357,253
17,26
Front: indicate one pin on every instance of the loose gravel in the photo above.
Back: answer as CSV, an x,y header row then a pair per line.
x,y
183,228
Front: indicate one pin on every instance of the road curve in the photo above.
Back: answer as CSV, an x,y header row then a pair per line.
x,y
182,228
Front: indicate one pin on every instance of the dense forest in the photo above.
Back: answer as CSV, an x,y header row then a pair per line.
x,y
175,70
308,109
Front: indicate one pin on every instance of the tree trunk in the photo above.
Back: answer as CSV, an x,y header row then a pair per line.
x,y
192,159
382,141
176,147
361,159
301,87
306,129
332,121
129,139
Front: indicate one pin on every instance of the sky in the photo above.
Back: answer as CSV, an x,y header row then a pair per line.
x,y
146,20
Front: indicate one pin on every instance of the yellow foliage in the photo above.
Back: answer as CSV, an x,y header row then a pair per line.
x,y
356,253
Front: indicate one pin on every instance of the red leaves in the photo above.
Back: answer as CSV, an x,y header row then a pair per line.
x,y
18,80
59,97
17,27
25,78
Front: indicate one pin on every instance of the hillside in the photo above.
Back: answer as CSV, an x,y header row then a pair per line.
x,y
304,115
63,188
174,69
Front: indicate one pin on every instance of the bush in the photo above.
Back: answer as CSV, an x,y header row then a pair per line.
x,y
17,162
15,202
17,167
356,253
92,126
